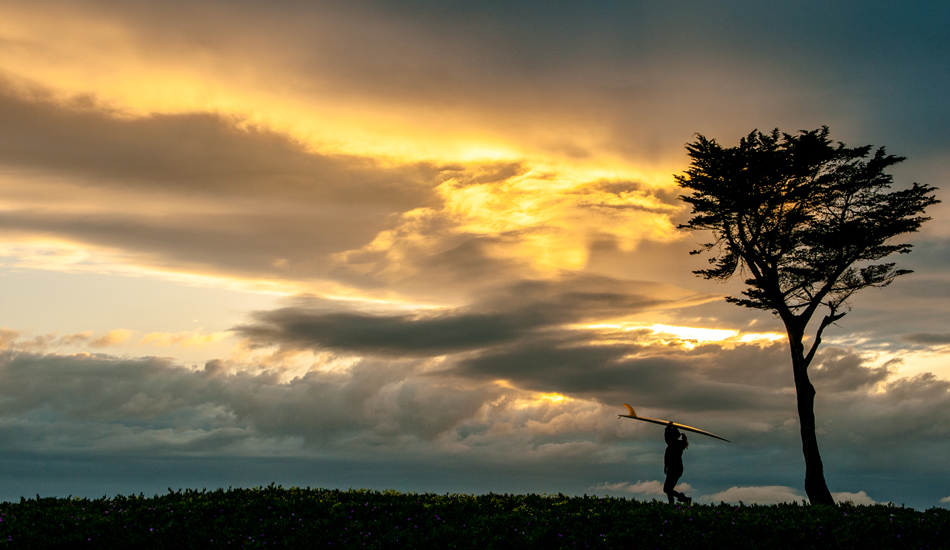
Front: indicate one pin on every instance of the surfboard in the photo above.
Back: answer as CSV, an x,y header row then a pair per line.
x,y
633,415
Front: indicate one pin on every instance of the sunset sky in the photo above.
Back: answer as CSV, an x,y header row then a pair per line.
x,y
433,246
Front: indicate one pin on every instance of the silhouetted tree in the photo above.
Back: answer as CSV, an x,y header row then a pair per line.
x,y
808,222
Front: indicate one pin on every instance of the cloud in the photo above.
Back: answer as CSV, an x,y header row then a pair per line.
x,y
511,313
837,369
192,189
209,193
316,375
719,386
269,402
7,337
770,494
945,499
902,413
859,499
928,338
649,375
95,401
545,221
112,338
190,339
18,340
530,335
404,335
402,404
13,339
194,155
77,338
612,75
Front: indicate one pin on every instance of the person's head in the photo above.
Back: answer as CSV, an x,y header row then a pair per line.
x,y
686,441
671,434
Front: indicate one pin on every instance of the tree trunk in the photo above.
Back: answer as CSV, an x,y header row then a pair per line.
x,y
815,486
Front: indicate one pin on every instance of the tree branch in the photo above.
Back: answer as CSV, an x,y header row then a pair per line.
x,y
829,319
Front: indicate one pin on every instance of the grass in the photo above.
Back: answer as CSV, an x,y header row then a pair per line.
x,y
274,517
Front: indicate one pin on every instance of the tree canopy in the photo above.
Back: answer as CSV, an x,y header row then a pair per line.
x,y
809,220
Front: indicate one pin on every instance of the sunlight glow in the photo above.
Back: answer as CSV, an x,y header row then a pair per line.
x,y
556,219
697,334
910,363
686,337
554,397
548,222
191,339
757,337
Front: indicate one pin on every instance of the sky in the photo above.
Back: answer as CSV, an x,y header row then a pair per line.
x,y
433,246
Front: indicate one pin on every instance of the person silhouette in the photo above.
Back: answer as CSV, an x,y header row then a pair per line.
x,y
676,443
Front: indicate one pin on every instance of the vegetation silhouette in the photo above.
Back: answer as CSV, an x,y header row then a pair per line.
x,y
807,221
275,517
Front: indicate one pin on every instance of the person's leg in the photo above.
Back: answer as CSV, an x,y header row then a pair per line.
x,y
672,476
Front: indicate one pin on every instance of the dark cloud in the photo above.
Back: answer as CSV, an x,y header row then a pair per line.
x,y
899,429
101,404
659,377
95,387
928,338
98,403
645,62
257,245
509,314
196,153
446,261
527,348
842,370
519,335
405,335
628,71
157,404
766,365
